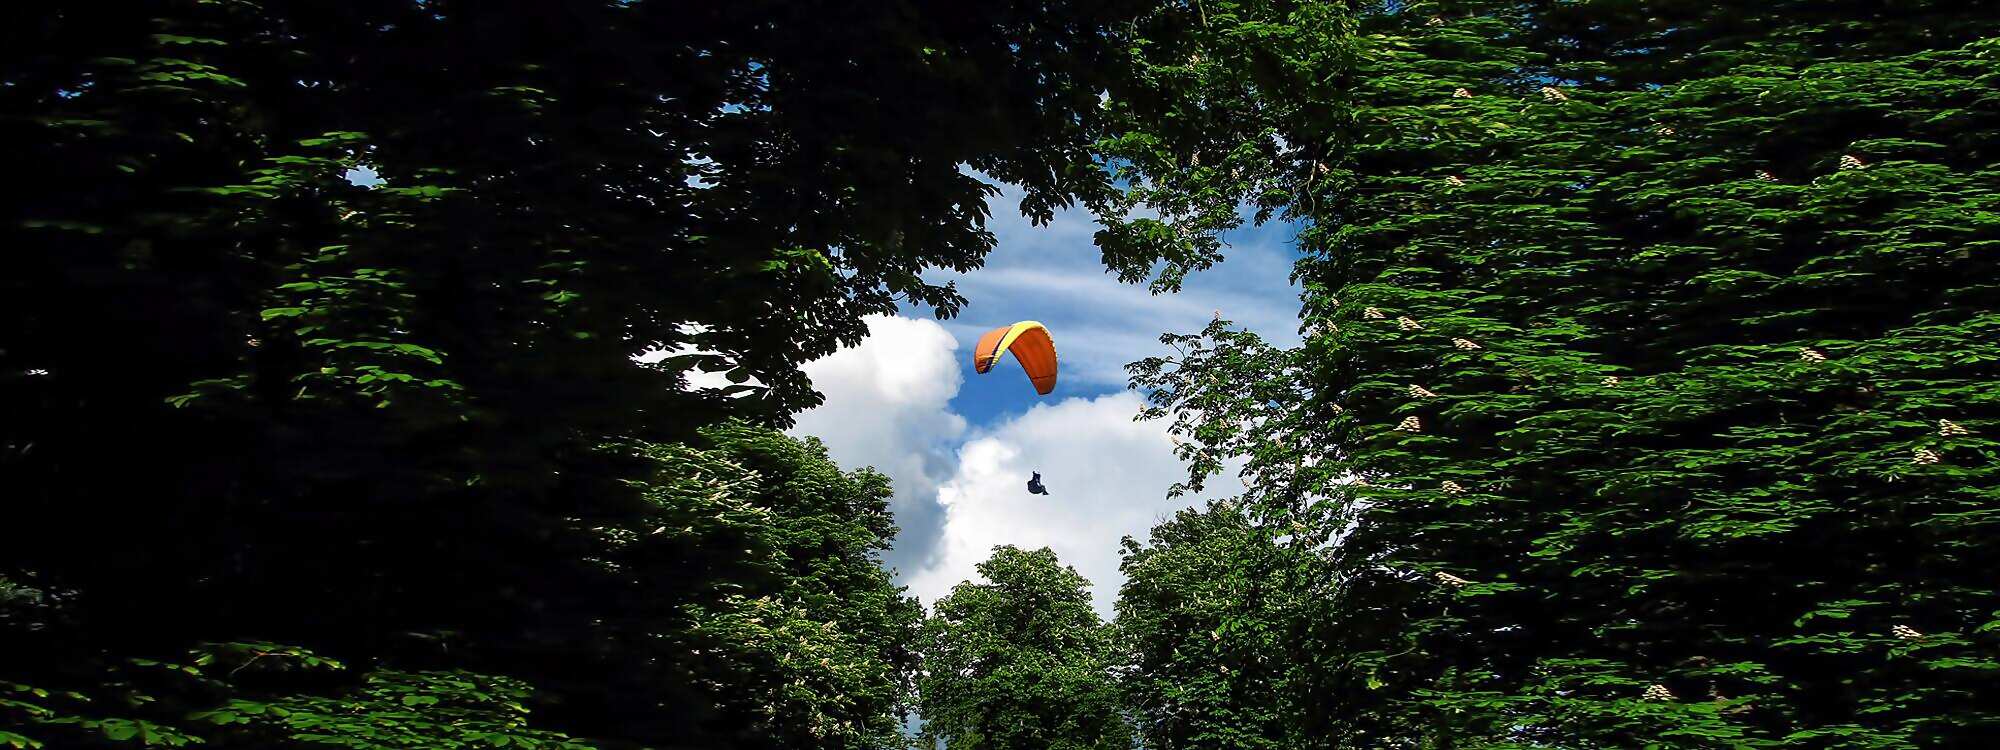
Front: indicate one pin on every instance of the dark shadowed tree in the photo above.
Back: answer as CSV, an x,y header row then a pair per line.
x,y
743,606
253,396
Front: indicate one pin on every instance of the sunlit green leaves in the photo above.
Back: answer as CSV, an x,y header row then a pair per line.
x,y
1690,315
1020,660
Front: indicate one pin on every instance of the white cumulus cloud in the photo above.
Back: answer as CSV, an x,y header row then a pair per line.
x,y
1106,474
888,406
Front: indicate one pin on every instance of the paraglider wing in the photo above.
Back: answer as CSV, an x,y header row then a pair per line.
x,y
1032,347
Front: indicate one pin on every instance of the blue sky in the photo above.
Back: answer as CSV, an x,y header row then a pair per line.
x,y
1053,274
959,446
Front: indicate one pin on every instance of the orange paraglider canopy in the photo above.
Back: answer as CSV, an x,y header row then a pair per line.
x,y
1030,343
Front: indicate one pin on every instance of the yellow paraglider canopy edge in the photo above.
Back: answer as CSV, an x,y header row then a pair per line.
x,y
1007,341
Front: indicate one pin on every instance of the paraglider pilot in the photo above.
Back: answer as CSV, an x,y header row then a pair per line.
x,y
1035,485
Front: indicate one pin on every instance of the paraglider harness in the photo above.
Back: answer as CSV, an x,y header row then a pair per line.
x,y
1035,485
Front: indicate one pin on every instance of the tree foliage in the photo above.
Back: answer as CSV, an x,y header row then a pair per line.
x,y
320,322
1201,628
1644,397
259,695
1020,661
746,606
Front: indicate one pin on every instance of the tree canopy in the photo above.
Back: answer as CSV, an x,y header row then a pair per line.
x,y
1200,628
1644,397
1020,661
321,320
